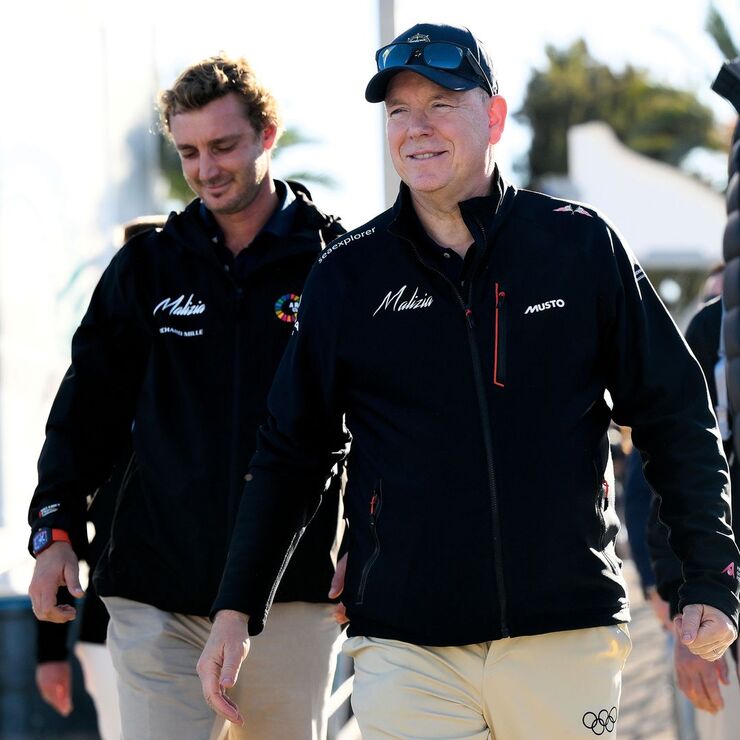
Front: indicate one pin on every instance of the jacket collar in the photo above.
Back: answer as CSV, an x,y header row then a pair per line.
x,y
301,236
481,214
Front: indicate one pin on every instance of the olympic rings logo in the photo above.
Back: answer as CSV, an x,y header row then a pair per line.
x,y
602,722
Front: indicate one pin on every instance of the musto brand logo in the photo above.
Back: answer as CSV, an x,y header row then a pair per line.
x,y
557,303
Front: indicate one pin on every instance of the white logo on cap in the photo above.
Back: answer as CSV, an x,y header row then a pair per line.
x,y
418,37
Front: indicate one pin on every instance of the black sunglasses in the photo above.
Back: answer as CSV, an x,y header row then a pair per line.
x,y
444,55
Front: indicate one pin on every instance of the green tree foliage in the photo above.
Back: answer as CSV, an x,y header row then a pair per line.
x,y
716,26
650,118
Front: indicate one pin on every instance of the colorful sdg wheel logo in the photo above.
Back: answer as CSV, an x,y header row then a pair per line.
x,y
286,307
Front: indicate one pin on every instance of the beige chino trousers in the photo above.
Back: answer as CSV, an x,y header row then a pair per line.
x,y
283,687
556,686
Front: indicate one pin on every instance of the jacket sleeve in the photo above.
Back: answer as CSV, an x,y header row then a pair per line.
x,y
658,389
91,417
666,566
51,638
300,449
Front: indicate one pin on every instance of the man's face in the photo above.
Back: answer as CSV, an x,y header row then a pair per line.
x,y
440,139
224,160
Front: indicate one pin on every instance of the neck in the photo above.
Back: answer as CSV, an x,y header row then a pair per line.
x,y
444,224
441,217
242,227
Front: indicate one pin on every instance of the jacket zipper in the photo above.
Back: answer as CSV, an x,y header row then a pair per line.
x,y
499,338
376,503
486,429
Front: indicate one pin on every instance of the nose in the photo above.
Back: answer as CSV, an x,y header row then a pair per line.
x,y
419,124
207,168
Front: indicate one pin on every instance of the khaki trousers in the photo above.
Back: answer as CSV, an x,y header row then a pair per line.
x,y
283,687
556,686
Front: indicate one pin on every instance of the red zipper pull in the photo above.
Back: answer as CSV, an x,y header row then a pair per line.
x,y
500,299
373,501
469,317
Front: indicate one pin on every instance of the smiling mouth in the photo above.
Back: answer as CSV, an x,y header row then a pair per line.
x,y
424,156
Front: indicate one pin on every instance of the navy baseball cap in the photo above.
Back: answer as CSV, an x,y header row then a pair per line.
x,y
450,56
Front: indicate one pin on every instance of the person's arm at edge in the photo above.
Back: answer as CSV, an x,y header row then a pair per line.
x,y
658,389
89,419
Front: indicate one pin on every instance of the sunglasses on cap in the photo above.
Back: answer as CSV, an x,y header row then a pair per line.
x,y
444,55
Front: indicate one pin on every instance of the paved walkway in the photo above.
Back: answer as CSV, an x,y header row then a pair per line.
x,y
647,709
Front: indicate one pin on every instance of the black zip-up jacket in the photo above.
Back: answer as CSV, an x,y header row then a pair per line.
x,y
174,343
476,500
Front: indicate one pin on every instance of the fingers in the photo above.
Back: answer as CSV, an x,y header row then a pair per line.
x,y
340,614
57,566
54,682
59,613
700,685
712,692
723,672
60,700
71,575
233,657
337,581
209,671
224,706
687,624
705,630
711,652
703,696
218,668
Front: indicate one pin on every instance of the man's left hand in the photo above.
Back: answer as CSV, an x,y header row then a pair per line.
x,y
705,630
218,666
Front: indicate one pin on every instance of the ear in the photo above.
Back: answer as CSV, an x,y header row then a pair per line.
x,y
497,110
269,134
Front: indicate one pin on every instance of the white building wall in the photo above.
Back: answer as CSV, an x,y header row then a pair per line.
x,y
74,164
669,219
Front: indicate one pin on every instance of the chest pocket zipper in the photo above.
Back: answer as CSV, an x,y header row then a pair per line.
x,y
499,337
376,504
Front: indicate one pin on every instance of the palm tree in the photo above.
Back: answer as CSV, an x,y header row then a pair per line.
x,y
716,27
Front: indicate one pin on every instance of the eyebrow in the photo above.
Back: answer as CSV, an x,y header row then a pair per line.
x,y
228,139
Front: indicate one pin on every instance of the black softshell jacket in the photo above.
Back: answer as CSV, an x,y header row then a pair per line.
x,y
477,500
172,343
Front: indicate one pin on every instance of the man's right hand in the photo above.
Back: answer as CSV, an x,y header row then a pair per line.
x,y
218,667
56,566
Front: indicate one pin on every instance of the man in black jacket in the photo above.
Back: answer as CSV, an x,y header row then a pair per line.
x,y
182,337
468,337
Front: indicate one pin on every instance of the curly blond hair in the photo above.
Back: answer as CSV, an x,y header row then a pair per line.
x,y
212,78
